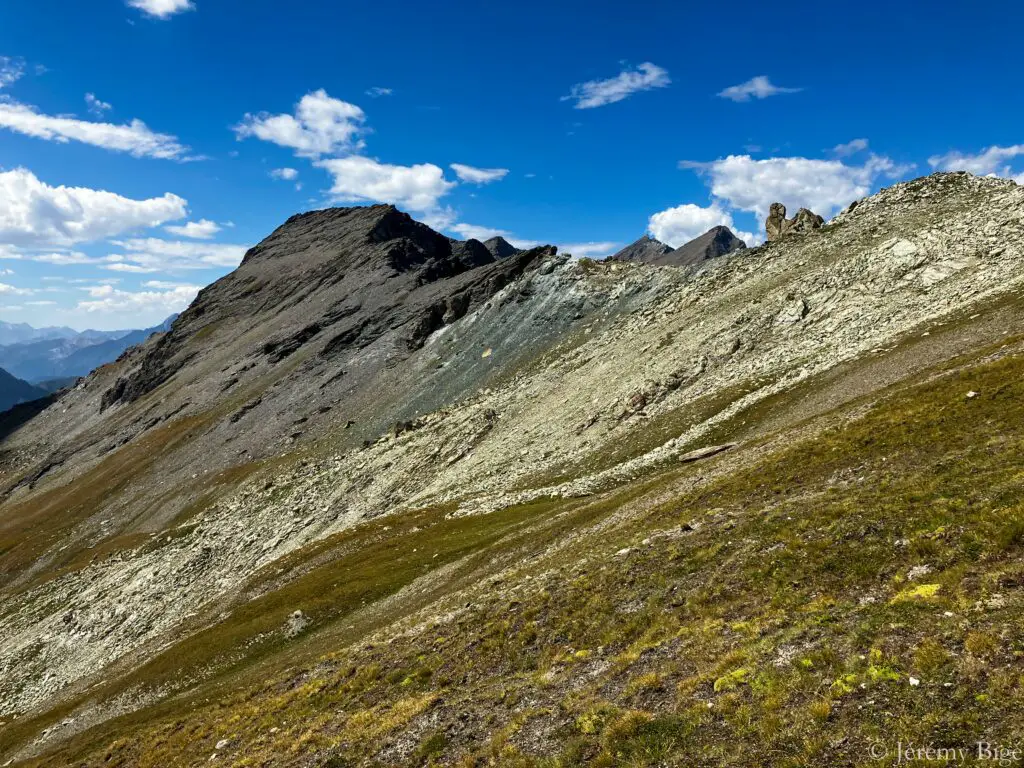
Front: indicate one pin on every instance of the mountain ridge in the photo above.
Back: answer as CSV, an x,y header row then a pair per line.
x,y
717,241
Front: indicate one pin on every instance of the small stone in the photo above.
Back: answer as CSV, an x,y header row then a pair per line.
x,y
915,682
222,743
972,394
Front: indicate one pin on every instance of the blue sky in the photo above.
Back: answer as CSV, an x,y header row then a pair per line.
x,y
144,144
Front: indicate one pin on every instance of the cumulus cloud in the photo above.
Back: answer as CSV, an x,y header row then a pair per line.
x,y
96,106
679,225
321,125
850,147
60,258
439,219
598,93
203,229
152,254
285,174
135,138
10,290
162,9
478,175
149,306
11,70
361,179
759,87
34,214
993,161
377,92
474,232
824,186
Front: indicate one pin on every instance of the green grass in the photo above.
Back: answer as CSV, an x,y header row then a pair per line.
x,y
767,617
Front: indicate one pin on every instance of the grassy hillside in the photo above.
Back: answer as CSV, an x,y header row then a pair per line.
x,y
797,601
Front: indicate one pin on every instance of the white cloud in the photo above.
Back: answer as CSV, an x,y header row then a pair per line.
x,y
163,285
361,179
377,92
286,174
993,161
149,305
34,214
478,175
473,232
850,147
6,272
43,303
162,9
135,137
96,106
439,219
322,125
203,229
759,87
824,186
679,225
60,258
134,269
10,290
597,93
151,254
11,70
591,250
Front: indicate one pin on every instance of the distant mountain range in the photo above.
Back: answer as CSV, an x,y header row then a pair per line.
x,y
51,357
20,333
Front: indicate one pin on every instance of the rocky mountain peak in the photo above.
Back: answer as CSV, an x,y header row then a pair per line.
x,y
500,248
646,250
328,284
716,242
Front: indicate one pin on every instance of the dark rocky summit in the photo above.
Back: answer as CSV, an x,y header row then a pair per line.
x,y
716,242
335,280
646,250
777,225
501,248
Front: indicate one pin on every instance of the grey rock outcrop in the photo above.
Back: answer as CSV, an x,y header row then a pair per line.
x,y
777,225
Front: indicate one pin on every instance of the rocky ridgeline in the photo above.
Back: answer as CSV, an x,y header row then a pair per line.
x,y
574,361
